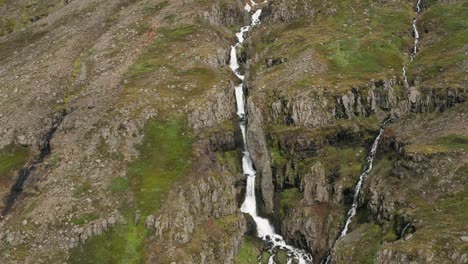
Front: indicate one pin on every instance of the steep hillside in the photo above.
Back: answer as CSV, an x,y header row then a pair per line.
x,y
119,139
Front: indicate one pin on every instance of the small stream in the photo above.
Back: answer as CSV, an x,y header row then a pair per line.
x,y
362,178
357,189
264,228
414,50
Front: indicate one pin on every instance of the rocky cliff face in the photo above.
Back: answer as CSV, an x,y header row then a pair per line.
x,y
145,163
114,174
317,124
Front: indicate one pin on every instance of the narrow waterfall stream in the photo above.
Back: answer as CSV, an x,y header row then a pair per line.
x,y
362,177
264,229
357,189
404,230
414,50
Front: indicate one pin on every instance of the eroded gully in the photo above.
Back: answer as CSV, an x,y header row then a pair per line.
x,y
24,172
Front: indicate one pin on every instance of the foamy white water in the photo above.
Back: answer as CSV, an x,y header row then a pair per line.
x,y
357,189
240,101
264,228
362,177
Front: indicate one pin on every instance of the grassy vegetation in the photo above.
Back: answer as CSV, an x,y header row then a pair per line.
x,y
118,185
364,242
289,198
445,36
12,157
154,58
440,145
453,141
249,251
346,162
85,218
21,14
165,157
163,74
443,221
230,158
360,41
123,244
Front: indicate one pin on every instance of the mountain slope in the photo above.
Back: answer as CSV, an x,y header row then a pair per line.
x,y
123,114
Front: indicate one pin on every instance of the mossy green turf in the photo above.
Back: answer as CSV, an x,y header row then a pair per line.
x,y
12,158
165,157
363,244
452,142
122,244
163,70
118,184
153,58
21,14
289,199
249,251
85,218
360,41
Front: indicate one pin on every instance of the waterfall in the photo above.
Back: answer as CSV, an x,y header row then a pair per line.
x,y
414,50
357,189
264,228
362,177
404,230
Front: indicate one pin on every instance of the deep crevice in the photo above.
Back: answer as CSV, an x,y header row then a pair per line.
x,y
24,172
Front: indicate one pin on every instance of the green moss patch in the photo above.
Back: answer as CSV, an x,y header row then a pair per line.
x,y
362,244
440,145
231,159
359,41
12,158
165,157
249,252
118,185
289,199
154,56
444,29
85,218
123,244
453,141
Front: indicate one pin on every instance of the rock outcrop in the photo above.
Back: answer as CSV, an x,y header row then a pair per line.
x,y
258,147
314,186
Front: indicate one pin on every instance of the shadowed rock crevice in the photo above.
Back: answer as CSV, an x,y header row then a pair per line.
x,y
23,173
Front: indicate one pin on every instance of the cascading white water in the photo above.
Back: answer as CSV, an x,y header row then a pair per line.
x,y
357,189
264,229
404,230
414,50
